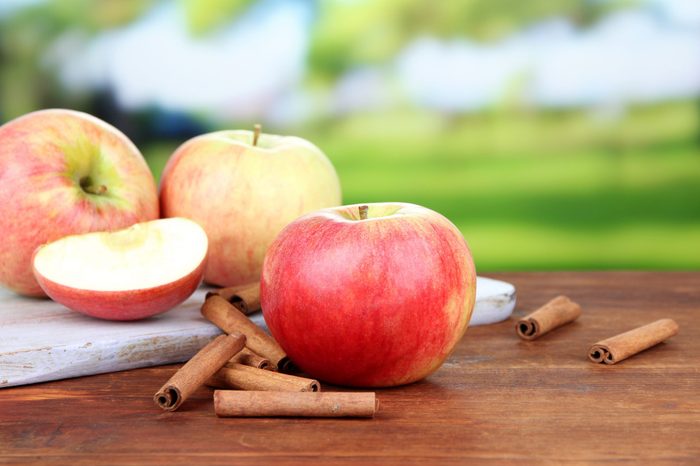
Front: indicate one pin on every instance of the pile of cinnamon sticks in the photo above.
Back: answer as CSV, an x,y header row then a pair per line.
x,y
250,370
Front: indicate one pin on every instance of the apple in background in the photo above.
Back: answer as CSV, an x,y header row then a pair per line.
x,y
64,172
243,187
375,295
128,274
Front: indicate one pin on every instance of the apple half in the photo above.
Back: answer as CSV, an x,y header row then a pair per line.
x,y
128,274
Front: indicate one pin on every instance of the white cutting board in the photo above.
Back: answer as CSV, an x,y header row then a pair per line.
x,y
41,340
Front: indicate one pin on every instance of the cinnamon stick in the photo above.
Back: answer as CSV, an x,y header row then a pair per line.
x,y
229,319
249,358
197,370
231,403
557,312
241,377
245,297
620,347
231,290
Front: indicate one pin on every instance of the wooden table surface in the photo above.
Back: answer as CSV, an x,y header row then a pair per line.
x,y
496,400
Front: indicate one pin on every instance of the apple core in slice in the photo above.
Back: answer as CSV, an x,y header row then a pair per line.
x,y
127,274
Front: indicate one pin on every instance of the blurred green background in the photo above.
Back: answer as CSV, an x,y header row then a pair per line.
x,y
556,134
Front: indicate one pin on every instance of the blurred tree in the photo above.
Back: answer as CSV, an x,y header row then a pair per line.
x,y
348,33
27,81
203,17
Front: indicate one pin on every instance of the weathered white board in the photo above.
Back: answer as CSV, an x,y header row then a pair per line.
x,y
41,340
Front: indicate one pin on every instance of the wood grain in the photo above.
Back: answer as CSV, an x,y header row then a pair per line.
x,y
497,400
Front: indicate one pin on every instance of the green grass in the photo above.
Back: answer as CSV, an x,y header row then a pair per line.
x,y
537,192
588,210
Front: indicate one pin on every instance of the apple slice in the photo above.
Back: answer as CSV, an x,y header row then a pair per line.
x,y
127,274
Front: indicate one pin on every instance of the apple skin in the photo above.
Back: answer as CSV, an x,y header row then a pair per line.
x,y
243,195
372,303
44,155
124,305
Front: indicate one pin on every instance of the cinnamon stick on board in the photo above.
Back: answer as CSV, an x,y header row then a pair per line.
x,y
197,370
249,358
615,349
232,403
245,297
557,312
242,377
229,319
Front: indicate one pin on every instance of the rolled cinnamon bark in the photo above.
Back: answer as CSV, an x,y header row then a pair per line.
x,y
557,312
249,358
228,291
620,347
229,319
241,377
231,403
245,297
197,370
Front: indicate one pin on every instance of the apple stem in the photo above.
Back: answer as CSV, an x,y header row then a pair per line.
x,y
363,212
257,128
101,189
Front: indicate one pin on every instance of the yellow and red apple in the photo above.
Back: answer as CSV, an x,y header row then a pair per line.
x,y
64,172
243,188
374,295
129,274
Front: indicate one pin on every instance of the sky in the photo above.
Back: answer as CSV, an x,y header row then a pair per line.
x,y
629,56
234,73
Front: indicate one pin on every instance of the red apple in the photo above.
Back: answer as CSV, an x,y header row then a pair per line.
x,y
64,172
371,299
243,189
129,274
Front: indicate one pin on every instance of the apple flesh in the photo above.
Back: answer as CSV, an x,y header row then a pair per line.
x,y
374,298
129,274
64,172
243,188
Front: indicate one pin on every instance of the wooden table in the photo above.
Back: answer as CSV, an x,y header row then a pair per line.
x,y
498,399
